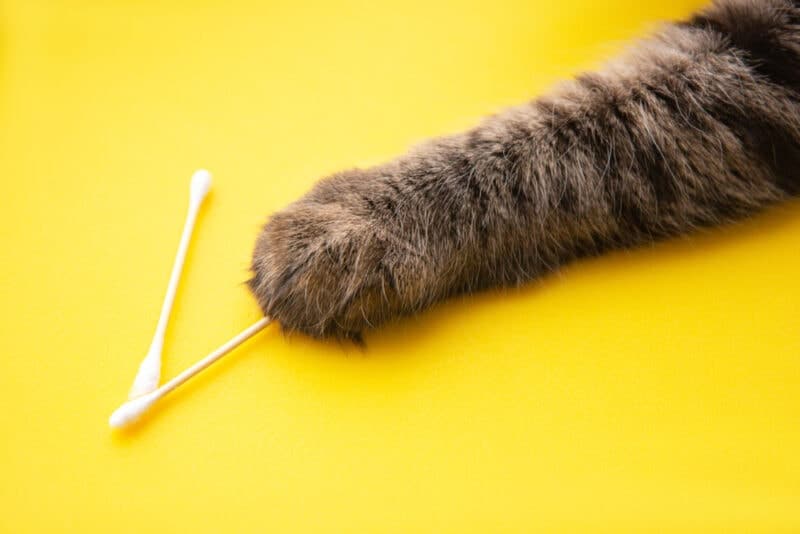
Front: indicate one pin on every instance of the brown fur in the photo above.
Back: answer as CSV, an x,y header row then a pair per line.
x,y
697,126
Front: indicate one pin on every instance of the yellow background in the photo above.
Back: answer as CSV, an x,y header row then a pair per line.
x,y
658,388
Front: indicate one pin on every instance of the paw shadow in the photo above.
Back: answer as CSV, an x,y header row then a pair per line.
x,y
448,317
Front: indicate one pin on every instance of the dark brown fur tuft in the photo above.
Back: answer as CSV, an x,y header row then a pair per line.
x,y
697,126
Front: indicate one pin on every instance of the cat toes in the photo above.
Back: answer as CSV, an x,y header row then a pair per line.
x,y
320,269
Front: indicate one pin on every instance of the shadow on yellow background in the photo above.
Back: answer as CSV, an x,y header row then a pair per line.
x,y
650,389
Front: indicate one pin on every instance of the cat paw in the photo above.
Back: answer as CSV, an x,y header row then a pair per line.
x,y
329,266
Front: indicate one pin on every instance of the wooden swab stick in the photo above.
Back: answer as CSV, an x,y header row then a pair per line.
x,y
149,374
134,408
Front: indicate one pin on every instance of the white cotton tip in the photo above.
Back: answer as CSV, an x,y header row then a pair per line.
x,y
149,374
201,183
131,410
146,380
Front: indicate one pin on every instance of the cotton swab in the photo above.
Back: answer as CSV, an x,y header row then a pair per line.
x,y
134,408
149,374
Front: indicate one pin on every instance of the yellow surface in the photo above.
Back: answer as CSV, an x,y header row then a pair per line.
x,y
659,388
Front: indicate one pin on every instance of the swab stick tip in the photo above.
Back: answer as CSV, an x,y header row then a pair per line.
x,y
132,410
201,183
149,374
